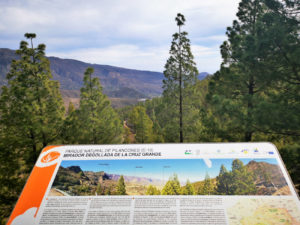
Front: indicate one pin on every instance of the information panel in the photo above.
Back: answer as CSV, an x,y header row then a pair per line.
x,y
232,183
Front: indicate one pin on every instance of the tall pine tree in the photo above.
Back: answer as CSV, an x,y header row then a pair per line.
x,y
238,87
280,23
180,73
31,106
256,91
32,112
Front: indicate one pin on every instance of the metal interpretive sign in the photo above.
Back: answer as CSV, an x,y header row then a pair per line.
x,y
218,183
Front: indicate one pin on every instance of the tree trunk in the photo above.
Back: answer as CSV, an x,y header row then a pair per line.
x,y
249,131
33,155
180,93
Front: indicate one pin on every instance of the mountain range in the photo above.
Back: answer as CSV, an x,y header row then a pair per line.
x,y
117,82
70,179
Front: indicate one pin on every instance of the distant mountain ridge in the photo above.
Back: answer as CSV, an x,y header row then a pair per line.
x,y
70,73
95,176
116,81
69,179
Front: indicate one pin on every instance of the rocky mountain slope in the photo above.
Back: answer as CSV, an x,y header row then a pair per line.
x,y
269,179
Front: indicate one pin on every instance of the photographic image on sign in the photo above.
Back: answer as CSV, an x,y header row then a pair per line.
x,y
170,177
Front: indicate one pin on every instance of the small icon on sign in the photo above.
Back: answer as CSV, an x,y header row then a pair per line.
x,y
245,151
271,153
50,157
188,152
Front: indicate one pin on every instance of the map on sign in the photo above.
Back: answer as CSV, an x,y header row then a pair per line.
x,y
230,184
264,211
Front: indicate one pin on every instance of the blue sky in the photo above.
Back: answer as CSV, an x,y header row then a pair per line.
x,y
192,169
128,33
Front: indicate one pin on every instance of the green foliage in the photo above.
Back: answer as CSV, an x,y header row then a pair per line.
x,y
207,188
99,189
239,181
281,37
152,190
31,106
255,92
188,189
81,190
243,182
95,121
108,191
172,187
10,180
127,135
70,127
141,124
121,187
223,181
291,157
198,117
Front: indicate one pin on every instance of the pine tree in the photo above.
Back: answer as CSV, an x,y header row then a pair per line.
x,y
208,187
97,121
142,125
256,91
281,43
188,189
99,189
121,188
127,135
180,73
31,106
224,181
237,89
242,179
70,126
157,130
152,190
172,187
237,165
239,181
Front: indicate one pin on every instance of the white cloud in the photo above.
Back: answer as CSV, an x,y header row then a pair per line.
x,y
73,25
208,162
128,56
135,57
